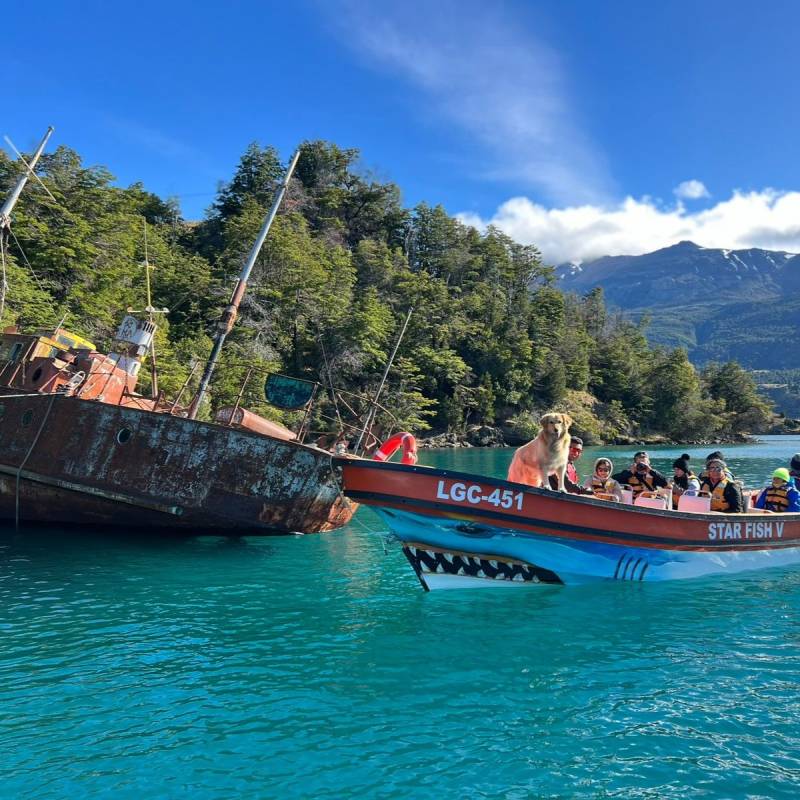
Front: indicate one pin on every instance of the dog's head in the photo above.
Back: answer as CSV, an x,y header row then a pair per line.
x,y
555,425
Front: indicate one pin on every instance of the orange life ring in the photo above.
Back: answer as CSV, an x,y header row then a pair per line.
x,y
393,443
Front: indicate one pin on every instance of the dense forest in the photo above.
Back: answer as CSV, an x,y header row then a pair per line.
x,y
491,339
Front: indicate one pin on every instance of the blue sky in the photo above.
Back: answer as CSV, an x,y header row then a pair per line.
x,y
570,124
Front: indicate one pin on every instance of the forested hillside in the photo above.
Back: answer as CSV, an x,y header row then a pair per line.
x,y
491,339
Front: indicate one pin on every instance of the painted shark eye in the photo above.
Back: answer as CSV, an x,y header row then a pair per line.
x,y
124,435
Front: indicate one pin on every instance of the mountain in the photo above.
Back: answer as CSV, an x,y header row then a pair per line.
x,y
719,304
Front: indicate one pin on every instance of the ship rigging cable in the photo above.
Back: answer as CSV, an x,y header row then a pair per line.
x,y
25,258
5,283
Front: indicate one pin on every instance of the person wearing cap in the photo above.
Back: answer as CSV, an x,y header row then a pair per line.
x,y
601,481
641,477
725,493
716,456
684,481
781,495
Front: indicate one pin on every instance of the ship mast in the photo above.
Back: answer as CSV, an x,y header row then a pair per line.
x,y
228,317
11,201
8,206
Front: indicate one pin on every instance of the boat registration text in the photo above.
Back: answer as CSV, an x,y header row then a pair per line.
x,y
475,494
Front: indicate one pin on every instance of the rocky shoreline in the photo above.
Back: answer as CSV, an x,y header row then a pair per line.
x,y
489,436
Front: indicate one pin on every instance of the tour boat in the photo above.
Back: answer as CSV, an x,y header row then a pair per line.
x,y
464,530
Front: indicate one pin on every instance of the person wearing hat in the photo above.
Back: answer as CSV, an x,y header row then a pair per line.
x,y
725,494
684,481
641,477
601,481
716,456
781,495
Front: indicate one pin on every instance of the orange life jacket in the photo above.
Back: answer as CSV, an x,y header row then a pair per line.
x,y
718,501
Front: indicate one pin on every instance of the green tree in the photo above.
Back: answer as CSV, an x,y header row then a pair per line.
x,y
744,409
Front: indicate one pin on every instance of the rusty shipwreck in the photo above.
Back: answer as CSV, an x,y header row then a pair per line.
x,y
79,445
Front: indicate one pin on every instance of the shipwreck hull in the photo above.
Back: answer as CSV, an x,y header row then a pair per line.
x,y
66,460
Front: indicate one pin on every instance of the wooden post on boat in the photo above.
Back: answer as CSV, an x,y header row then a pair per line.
x,y
229,314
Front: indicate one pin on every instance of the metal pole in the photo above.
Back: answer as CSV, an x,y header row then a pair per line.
x,y
183,388
229,315
241,394
149,309
372,410
11,201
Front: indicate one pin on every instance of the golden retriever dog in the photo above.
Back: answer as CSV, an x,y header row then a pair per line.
x,y
545,455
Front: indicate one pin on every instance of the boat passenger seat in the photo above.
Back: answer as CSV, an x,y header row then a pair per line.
x,y
693,504
647,500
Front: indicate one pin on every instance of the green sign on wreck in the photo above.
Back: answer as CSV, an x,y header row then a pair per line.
x,y
289,393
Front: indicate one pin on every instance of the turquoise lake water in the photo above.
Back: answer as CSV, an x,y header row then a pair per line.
x,y
315,666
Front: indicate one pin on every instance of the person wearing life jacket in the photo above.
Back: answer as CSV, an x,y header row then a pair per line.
x,y
725,494
601,481
641,477
716,456
781,495
684,481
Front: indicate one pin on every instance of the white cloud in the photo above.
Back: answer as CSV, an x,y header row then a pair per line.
x,y
478,67
691,190
768,219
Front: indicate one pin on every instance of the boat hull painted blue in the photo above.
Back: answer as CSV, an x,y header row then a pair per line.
x,y
453,553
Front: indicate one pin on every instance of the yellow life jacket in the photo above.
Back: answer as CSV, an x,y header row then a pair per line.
x,y
777,498
602,487
639,485
718,501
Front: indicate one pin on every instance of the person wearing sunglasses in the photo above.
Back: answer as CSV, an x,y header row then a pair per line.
x,y
601,482
716,456
725,494
571,479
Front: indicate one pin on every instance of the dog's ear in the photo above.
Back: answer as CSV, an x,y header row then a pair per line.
x,y
544,419
567,420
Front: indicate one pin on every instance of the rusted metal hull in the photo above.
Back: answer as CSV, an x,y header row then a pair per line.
x,y
66,460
